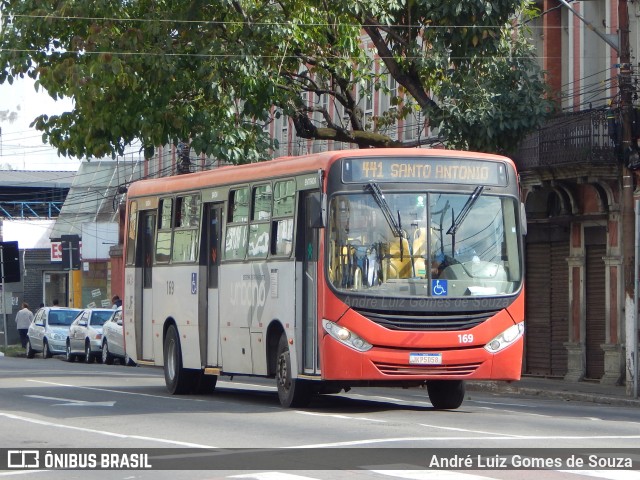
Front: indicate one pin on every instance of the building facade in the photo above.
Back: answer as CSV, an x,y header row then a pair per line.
x,y
574,175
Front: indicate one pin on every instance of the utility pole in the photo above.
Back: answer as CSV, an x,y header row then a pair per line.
x,y
5,332
628,217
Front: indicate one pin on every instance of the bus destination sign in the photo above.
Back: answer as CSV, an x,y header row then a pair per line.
x,y
435,170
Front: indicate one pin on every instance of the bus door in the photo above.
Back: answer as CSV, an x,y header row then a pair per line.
x,y
144,313
211,236
307,254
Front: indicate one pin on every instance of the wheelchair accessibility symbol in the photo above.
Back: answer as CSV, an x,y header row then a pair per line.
x,y
439,288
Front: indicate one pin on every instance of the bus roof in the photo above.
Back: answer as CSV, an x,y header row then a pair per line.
x,y
285,166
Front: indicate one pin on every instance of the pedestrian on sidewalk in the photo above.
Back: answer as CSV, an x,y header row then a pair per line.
x,y
116,302
24,318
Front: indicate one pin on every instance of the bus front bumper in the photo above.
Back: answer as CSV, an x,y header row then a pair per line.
x,y
406,364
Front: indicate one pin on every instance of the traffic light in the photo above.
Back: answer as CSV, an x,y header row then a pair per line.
x,y
11,262
70,252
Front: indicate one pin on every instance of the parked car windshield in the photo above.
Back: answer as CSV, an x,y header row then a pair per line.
x,y
98,318
62,317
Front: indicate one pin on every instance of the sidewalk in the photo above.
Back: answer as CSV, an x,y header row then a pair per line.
x,y
559,389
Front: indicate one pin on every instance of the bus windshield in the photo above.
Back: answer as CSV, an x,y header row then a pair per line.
x,y
424,243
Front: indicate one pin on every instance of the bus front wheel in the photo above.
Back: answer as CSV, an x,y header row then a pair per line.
x,y
292,392
446,394
179,380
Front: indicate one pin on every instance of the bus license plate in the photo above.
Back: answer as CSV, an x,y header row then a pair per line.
x,y
425,358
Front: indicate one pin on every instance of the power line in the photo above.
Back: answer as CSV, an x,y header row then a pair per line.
x,y
275,23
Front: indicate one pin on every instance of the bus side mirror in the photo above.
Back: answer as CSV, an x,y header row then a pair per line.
x,y
523,219
317,210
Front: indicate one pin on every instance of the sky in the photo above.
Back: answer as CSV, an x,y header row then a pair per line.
x,y
21,147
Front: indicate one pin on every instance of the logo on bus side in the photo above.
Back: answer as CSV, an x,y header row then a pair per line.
x,y
251,291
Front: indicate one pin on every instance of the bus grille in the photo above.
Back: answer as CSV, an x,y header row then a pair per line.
x,y
431,370
432,322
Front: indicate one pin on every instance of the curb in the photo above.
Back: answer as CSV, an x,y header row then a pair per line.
x,y
512,389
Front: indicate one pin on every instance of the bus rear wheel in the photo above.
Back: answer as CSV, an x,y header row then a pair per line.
x,y
292,392
446,394
179,380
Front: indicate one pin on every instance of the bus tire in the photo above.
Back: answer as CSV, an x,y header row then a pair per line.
x,y
292,392
446,394
179,380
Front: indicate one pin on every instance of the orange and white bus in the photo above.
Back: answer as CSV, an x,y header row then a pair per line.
x,y
378,267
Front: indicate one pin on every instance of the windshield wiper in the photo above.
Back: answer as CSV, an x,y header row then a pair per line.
x,y
455,224
396,225
384,206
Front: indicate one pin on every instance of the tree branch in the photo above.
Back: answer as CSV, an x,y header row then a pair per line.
x,y
409,80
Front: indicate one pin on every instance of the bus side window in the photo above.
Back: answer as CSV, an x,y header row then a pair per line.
x,y
132,233
235,241
163,239
282,228
185,235
259,229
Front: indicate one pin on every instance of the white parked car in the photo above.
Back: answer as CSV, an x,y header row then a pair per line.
x,y
49,330
85,334
113,340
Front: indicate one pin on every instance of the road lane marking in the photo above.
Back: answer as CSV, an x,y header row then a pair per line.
x,y
567,417
82,373
166,397
450,439
22,472
71,402
606,474
466,430
422,475
341,417
520,413
502,404
102,432
272,476
374,398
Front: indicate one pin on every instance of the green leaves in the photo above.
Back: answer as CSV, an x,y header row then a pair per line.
x,y
219,73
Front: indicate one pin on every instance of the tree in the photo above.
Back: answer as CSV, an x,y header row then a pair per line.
x,y
214,74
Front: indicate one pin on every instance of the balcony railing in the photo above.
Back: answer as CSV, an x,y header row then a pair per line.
x,y
572,139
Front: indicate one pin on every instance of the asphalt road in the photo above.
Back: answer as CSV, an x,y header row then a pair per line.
x,y
51,405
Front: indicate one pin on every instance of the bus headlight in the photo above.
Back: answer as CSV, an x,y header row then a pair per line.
x,y
505,339
345,336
